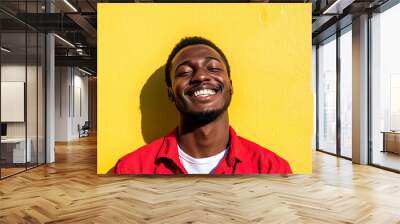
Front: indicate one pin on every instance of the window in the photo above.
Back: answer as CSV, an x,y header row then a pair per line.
x,y
346,93
327,95
385,88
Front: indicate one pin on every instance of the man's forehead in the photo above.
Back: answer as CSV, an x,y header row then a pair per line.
x,y
193,51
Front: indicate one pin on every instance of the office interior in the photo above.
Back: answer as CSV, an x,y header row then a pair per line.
x,y
46,79
48,83
368,76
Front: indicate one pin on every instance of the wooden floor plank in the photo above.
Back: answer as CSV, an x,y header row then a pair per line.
x,y
70,191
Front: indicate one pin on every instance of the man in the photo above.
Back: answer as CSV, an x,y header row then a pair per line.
x,y
198,79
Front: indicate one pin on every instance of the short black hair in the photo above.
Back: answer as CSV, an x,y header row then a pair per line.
x,y
188,41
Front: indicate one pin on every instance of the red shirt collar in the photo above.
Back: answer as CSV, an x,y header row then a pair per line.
x,y
169,149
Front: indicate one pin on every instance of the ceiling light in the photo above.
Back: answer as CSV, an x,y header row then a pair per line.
x,y
5,50
65,41
84,71
70,5
337,7
79,51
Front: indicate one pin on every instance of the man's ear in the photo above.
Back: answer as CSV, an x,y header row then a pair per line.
x,y
171,95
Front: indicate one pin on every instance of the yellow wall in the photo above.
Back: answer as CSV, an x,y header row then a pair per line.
x,y
269,50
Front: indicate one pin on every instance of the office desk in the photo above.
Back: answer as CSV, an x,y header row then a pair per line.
x,y
15,148
391,141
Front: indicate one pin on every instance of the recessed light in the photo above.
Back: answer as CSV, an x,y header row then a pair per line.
x,y
5,50
64,40
70,5
84,71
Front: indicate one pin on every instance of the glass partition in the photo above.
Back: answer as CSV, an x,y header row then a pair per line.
x,y
41,91
14,153
33,73
22,88
32,95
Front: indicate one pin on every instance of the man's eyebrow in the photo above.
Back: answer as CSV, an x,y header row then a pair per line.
x,y
182,63
208,59
214,58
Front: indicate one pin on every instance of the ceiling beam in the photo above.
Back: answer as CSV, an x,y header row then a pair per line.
x,y
85,61
85,25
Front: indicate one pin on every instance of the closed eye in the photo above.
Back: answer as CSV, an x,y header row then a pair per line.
x,y
183,73
214,69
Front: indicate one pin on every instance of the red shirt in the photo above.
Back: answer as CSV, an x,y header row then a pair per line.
x,y
161,157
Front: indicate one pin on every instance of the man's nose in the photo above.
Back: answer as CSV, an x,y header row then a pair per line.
x,y
200,75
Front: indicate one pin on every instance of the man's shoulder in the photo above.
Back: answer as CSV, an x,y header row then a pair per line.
x,y
265,156
148,149
253,147
139,159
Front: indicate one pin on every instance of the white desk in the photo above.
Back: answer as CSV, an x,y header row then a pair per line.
x,y
17,146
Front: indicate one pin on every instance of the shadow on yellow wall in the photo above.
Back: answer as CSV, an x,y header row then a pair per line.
x,y
159,115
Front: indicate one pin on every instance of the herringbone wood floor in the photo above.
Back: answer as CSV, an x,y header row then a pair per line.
x,y
69,191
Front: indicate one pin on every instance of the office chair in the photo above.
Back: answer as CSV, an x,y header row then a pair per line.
x,y
84,130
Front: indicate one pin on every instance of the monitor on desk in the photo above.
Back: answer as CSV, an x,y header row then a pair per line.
x,y
3,130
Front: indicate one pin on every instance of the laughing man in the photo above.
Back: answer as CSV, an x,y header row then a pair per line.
x,y
198,79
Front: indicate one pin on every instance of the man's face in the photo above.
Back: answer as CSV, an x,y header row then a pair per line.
x,y
200,83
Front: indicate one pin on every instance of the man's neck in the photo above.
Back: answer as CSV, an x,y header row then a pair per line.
x,y
205,140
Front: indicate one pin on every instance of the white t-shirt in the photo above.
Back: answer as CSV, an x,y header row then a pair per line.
x,y
202,165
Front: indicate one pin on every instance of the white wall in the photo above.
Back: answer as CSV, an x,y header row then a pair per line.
x,y
33,127
71,102
81,103
12,73
62,82
16,73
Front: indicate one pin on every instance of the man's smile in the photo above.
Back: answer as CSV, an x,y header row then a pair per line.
x,y
203,90
203,93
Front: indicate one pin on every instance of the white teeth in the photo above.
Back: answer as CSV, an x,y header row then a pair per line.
x,y
204,92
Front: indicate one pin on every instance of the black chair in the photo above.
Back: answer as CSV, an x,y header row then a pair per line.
x,y
84,130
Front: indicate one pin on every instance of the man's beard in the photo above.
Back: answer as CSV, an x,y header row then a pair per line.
x,y
204,117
